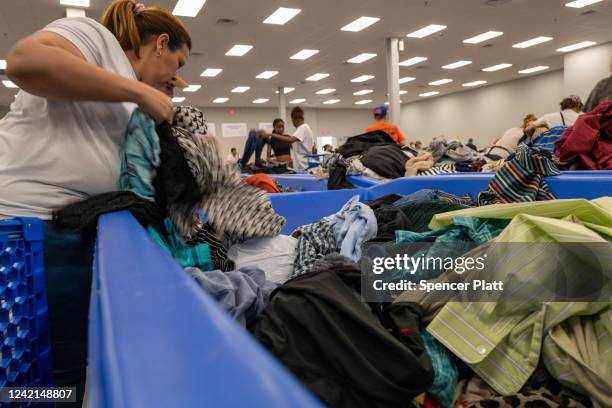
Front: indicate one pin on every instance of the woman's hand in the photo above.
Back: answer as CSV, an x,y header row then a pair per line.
x,y
155,103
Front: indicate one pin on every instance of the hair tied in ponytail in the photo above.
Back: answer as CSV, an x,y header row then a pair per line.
x,y
139,8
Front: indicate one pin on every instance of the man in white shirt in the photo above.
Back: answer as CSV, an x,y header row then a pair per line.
x,y
302,139
570,109
232,156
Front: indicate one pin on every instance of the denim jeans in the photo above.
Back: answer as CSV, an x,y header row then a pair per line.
x,y
68,271
254,144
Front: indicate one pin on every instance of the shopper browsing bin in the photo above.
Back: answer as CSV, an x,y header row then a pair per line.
x,y
282,150
61,141
380,114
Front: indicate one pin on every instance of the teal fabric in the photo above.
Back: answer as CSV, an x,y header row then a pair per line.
x,y
446,375
197,256
141,156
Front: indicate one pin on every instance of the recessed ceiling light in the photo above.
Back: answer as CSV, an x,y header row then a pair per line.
x,y
75,3
317,77
331,101
575,47
426,94
363,92
325,91
496,67
483,37
220,100
2,64
75,12
188,8
441,82
267,75
239,50
211,72
298,100
581,3
9,84
532,42
363,102
360,24
304,54
178,99
406,79
192,88
362,78
412,61
457,64
534,69
474,83
282,16
241,89
403,92
425,31
261,100
361,58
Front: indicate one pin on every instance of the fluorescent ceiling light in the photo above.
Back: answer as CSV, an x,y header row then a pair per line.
x,y
325,91
532,42
441,82
403,92
457,64
75,3
581,3
425,31
317,77
412,61
178,99
483,37
426,94
304,54
298,100
9,84
360,24
220,100
362,78
2,64
286,90
363,92
188,8
267,75
496,67
363,102
192,88
475,83
239,50
261,100
211,72
406,79
534,69
282,16
361,58
575,47
75,12
331,101
241,89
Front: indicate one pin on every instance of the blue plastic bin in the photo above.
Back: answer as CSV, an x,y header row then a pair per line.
x,y
25,350
307,182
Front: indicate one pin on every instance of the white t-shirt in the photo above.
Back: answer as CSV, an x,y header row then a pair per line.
x,y
303,147
509,141
556,119
54,153
231,159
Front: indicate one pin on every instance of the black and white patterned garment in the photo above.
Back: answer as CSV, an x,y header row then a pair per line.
x,y
191,119
218,252
438,169
314,242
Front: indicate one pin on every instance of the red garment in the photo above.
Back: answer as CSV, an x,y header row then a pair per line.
x,y
263,182
588,143
432,402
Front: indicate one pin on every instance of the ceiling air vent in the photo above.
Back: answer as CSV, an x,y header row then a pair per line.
x,y
588,13
496,3
487,46
226,22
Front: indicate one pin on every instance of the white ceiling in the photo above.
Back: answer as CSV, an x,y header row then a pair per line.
x,y
318,27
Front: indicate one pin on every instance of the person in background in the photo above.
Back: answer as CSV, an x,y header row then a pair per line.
x,y
62,141
471,144
380,114
570,109
506,145
302,140
282,150
232,156
600,94
328,149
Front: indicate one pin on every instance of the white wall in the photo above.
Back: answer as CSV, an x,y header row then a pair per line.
x,y
3,111
584,68
483,113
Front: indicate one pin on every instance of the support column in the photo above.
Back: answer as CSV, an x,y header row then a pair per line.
x,y
282,104
393,86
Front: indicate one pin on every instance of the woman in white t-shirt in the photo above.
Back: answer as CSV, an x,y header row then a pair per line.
x,y
62,138
570,109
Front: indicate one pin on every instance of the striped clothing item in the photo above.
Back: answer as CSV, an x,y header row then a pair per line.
x,y
521,178
445,168
546,140
314,241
